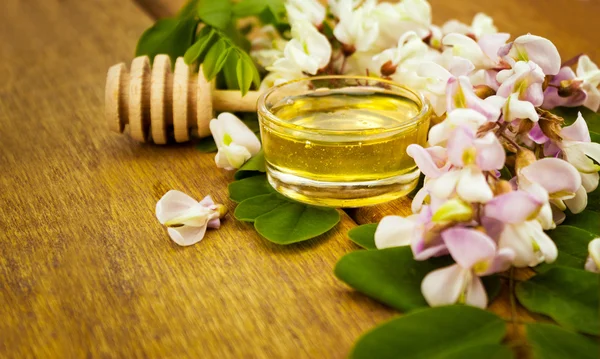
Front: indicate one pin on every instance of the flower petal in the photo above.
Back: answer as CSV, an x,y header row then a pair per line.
x,y
555,175
444,186
513,207
577,131
593,262
589,181
501,262
473,187
430,165
395,231
172,204
537,49
490,153
578,203
491,43
460,146
475,293
186,235
444,286
239,132
468,246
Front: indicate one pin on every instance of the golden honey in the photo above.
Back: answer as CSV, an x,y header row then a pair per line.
x,y
343,146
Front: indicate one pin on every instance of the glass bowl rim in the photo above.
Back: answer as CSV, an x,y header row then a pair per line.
x,y
425,107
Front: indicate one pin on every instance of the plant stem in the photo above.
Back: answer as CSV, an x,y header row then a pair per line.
x,y
511,289
503,135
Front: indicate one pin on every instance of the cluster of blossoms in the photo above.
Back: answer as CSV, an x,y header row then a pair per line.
x,y
500,168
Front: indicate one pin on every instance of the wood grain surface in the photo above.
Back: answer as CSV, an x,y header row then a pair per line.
x,y
85,268
87,271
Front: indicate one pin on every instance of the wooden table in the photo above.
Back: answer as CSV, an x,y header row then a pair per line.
x,y
85,268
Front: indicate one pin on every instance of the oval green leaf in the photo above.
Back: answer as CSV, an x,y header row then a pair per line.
x,y
364,235
587,220
249,187
393,277
215,59
217,13
295,222
245,73
167,36
199,47
572,244
255,166
455,331
569,296
250,209
549,341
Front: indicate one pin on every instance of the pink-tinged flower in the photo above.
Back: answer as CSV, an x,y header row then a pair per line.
x,y
467,48
514,214
476,255
577,147
396,231
525,79
535,49
460,94
589,74
593,261
416,230
570,95
435,81
432,161
186,218
481,25
460,117
491,44
513,108
410,47
236,143
470,157
558,177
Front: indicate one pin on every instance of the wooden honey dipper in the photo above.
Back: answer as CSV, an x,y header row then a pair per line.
x,y
150,99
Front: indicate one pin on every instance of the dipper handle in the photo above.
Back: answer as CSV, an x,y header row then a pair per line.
x,y
154,100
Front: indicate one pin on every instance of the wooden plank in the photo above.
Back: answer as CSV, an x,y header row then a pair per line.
x,y
85,268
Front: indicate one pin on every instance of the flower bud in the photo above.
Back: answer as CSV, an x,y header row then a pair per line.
x,y
525,157
502,187
454,210
483,91
388,68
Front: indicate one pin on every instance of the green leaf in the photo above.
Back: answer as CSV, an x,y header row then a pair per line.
x,y
455,331
586,220
215,59
249,187
393,277
207,144
364,235
572,244
196,51
216,13
275,8
167,36
251,208
255,75
255,166
594,200
549,341
190,9
245,73
569,296
229,70
295,222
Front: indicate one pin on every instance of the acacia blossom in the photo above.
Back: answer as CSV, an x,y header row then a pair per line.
x,y
500,167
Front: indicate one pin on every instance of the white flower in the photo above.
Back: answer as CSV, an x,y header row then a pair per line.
x,y
465,47
529,242
593,261
481,25
235,141
309,10
410,46
460,117
358,28
308,50
397,19
186,218
589,74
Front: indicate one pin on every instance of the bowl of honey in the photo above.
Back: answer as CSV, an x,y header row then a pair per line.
x,y
340,141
